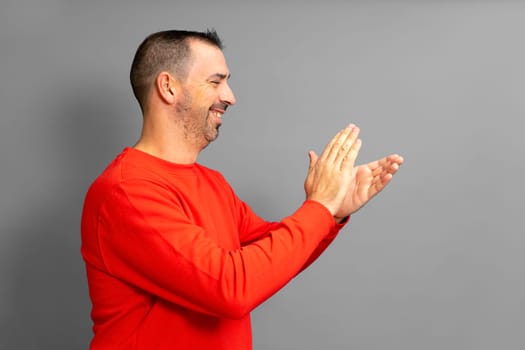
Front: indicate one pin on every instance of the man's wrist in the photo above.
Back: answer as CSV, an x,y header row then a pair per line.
x,y
341,220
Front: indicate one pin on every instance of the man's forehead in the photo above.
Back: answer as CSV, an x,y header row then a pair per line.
x,y
202,49
208,60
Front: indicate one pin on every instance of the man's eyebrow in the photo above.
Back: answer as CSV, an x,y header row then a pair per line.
x,y
220,76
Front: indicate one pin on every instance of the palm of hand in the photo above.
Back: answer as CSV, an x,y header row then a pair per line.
x,y
368,180
358,194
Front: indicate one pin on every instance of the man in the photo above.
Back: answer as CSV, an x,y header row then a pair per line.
x,y
174,259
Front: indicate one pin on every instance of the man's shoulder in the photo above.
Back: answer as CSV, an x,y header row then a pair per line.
x,y
210,173
208,170
110,176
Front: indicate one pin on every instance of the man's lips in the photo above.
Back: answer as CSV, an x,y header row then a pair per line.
x,y
217,112
220,106
219,109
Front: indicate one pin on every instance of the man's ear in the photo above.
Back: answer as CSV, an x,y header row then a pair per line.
x,y
166,87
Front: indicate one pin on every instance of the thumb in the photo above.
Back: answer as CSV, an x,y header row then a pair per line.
x,y
313,159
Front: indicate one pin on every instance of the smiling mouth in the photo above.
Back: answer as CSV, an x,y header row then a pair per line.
x,y
219,109
218,114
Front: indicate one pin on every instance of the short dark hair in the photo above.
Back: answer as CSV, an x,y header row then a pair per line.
x,y
165,51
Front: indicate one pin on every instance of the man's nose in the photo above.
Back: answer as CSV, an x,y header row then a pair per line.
x,y
227,95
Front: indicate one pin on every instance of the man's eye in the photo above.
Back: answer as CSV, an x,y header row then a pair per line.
x,y
215,82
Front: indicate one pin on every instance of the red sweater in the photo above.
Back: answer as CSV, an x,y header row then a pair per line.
x,y
175,260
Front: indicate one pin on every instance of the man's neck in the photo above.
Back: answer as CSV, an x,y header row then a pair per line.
x,y
169,145
171,154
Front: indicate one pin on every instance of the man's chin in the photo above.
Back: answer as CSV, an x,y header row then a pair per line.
x,y
212,136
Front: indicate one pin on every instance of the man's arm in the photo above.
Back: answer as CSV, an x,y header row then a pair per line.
x,y
254,228
151,244
146,240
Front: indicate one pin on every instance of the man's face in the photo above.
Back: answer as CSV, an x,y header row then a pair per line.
x,y
205,94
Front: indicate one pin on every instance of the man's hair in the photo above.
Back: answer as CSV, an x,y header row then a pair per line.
x,y
165,51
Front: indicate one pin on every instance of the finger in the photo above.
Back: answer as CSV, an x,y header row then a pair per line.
x,y
350,140
313,159
378,182
348,161
382,178
393,164
397,159
382,167
386,171
378,185
390,163
337,142
330,144
347,149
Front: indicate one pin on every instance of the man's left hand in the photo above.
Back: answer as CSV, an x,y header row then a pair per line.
x,y
369,179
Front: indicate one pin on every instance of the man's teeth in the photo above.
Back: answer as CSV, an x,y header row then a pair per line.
x,y
219,115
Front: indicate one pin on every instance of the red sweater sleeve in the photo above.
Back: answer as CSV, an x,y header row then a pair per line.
x,y
255,228
147,240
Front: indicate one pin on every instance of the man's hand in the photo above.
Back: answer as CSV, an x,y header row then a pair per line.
x,y
368,181
331,175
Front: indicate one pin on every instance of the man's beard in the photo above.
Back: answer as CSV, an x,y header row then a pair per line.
x,y
197,125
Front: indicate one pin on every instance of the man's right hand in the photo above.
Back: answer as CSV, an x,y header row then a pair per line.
x,y
329,176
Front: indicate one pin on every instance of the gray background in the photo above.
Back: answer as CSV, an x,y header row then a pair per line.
x,y
436,262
